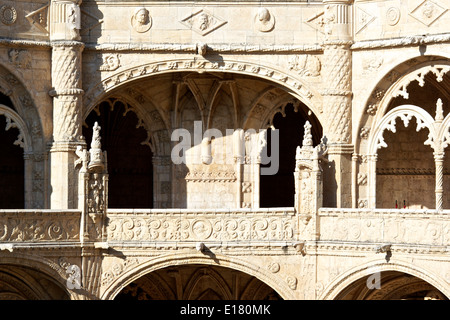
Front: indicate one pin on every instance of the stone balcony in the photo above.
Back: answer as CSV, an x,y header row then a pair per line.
x,y
415,230
426,231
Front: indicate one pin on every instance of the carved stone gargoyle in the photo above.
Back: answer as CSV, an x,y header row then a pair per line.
x,y
308,176
92,186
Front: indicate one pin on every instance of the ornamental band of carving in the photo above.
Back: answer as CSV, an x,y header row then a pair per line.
x,y
214,227
39,226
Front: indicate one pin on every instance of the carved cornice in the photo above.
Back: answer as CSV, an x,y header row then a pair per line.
x,y
24,43
401,42
192,48
67,43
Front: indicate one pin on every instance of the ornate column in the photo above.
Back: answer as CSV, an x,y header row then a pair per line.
x,y
372,160
439,162
67,101
337,103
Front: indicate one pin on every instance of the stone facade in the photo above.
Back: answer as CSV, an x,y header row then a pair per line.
x,y
144,128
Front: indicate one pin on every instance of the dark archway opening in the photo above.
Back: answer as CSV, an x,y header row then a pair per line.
x,y
12,175
197,282
130,165
278,190
24,283
390,285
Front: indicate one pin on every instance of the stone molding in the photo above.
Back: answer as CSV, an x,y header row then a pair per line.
x,y
193,48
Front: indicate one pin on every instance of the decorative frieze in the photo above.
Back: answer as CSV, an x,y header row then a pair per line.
x,y
26,226
176,226
399,226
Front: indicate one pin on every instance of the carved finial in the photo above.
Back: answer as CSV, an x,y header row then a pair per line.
x,y
96,144
439,110
307,137
96,158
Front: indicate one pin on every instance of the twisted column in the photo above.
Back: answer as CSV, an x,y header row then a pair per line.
x,y
439,189
67,102
337,93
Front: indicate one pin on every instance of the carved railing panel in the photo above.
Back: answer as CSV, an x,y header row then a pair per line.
x,y
191,225
399,226
44,225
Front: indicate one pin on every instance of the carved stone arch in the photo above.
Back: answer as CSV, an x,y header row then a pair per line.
x,y
14,120
390,80
296,86
376,140
151,120
52,270
154,122
344,280
257,110
34,180
114,287
13,87
280,108
405,113
35,153
207,273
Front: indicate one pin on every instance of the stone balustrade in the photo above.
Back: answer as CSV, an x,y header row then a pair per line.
x,y
39,226
233,226
396,226
183,225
